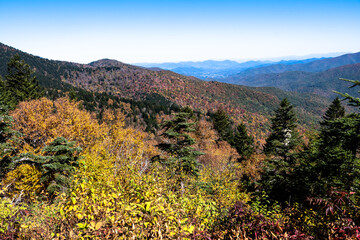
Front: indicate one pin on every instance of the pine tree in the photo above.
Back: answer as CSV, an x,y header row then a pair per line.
x,y
2,87
56,166
72,94
353,101
222,125
182,155
277,179
243,143
335,111
61,157
19,83
283,136
333,161
7,136
336,160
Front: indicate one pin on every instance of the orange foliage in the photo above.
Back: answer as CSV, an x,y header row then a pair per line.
x,y
252,167
41,121
129,145
217,154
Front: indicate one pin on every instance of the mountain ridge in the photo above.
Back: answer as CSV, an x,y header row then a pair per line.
x,y
313,66
245,104
218,70
322,83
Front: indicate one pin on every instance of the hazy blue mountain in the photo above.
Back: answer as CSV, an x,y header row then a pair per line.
x,y
312,66
289,62
209,64
218,70
322,83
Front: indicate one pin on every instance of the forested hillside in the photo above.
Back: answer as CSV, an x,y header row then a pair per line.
x,y
109,79
114,151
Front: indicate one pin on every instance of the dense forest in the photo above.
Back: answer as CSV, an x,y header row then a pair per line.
x,y
125,84
79,162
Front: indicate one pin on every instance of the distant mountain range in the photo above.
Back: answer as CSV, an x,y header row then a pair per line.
x,y
252,106
313,75
319,76
211,69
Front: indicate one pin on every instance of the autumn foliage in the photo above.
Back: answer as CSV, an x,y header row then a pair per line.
x,y
41,121
117,192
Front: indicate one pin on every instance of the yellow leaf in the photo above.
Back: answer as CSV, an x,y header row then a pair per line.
x,y
98,225
92,224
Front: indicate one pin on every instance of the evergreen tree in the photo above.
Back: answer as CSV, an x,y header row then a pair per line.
x,y
277,178
243,143
73,94
222,125
334,162
56,166
2,87
283,137
353,101
182,155
7,137
61,157
19,83
335,111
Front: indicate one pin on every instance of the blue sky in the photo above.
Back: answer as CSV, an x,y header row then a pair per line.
x,y
163,31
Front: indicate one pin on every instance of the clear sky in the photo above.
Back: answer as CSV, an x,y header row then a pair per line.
x,y
163,31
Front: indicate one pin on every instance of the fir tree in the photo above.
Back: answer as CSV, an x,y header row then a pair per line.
x,y
7,138
182,155
19,83
2,87
61,157
56,166
73,94
243,143
336,162
332,159
277,179
335,111
283,136
353,101
222,125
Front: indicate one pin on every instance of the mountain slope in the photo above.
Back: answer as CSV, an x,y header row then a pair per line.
x,y
249,105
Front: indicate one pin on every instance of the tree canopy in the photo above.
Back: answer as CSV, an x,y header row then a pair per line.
x,y
20,83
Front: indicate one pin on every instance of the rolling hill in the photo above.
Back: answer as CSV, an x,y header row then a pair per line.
x,y
253,106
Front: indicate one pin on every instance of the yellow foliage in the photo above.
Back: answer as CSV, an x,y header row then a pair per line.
x,y
116,192
225,185
22,182
7,211
42,120
111,198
